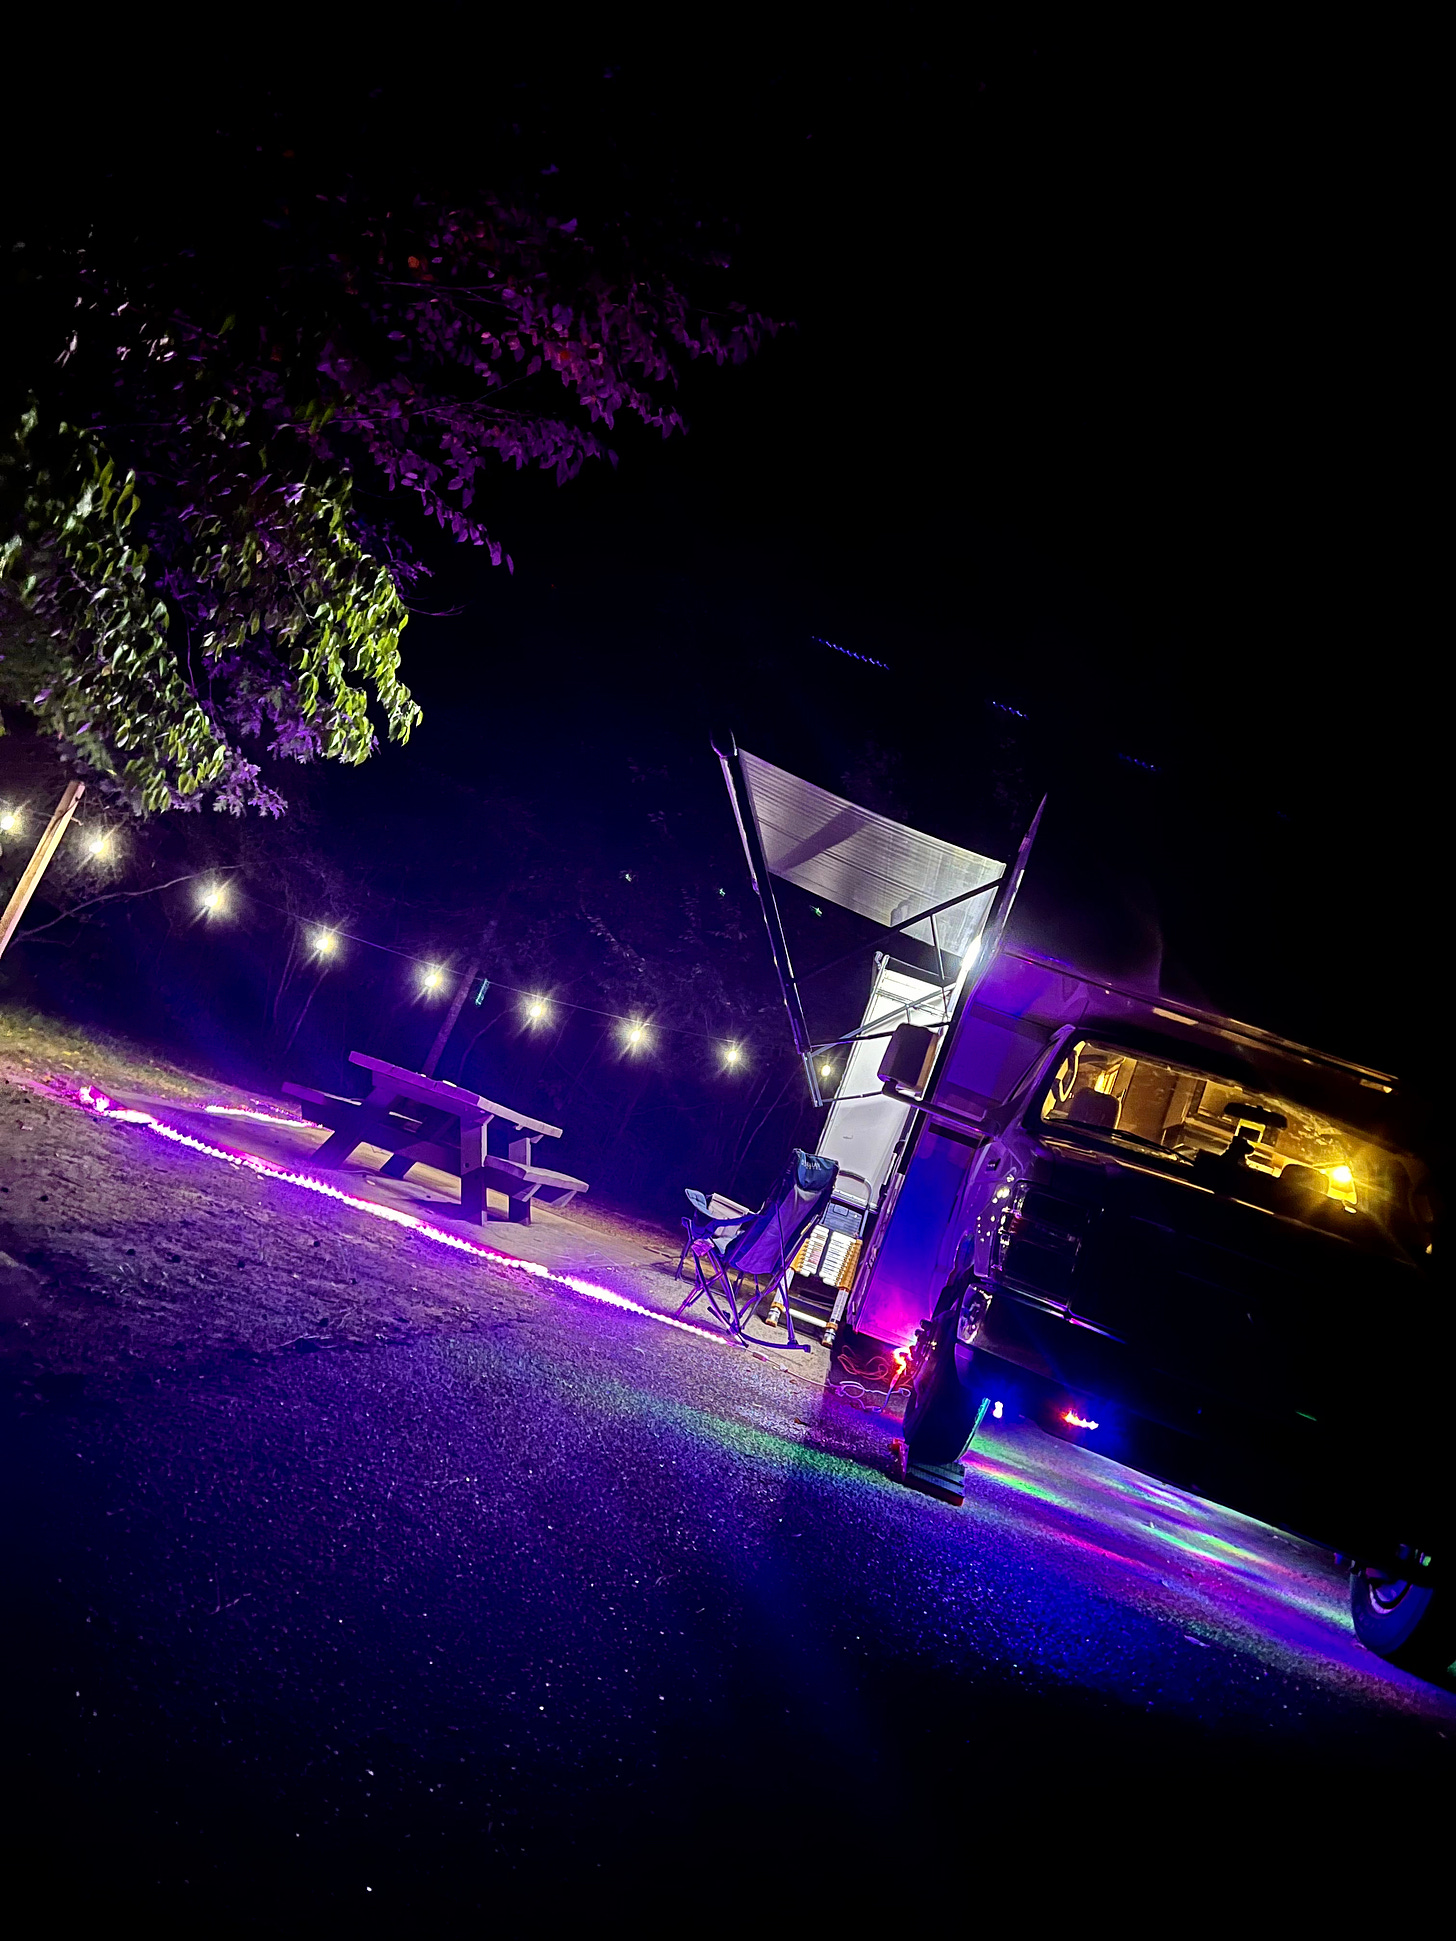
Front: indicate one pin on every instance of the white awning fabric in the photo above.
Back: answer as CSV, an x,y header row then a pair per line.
x,y
864,862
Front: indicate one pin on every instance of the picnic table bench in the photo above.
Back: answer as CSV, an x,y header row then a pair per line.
x,y
428,1121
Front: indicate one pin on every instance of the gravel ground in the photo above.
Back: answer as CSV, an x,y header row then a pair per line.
x,y
351,1581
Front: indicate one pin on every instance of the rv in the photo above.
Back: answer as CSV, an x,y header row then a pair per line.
x,y
1193,1244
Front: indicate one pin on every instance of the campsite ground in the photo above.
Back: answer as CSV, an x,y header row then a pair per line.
x,y
347,1572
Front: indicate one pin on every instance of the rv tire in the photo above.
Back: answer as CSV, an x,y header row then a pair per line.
x,y
1410,1625
940,1417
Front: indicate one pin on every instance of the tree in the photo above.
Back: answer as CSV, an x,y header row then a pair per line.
x,y
187,578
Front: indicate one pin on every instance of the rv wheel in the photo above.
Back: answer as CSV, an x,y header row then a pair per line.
x,y
940,1416
1410,1625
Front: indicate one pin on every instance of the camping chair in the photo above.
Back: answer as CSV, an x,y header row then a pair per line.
x,y
762,1243
707,1217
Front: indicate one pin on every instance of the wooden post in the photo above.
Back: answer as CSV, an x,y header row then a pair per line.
x,y
29,882
457,1005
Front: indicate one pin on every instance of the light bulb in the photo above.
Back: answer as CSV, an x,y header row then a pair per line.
x,y
432,978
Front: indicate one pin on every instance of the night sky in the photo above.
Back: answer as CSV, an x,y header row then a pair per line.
x,y
1101,425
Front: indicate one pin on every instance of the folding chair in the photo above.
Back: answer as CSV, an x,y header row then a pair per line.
x,y
762,1243
707,1215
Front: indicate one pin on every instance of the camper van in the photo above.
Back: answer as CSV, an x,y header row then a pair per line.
x,y
1194,1245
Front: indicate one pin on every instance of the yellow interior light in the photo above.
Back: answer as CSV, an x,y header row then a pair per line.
x,y
1342,1176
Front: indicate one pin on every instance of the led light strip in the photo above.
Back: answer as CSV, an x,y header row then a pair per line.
x,y
98,1102
263,1118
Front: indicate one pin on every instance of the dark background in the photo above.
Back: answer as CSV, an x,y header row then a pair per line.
x,y
1103,425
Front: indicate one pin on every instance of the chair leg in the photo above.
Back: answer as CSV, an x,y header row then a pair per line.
x,y
699,1286
704,1284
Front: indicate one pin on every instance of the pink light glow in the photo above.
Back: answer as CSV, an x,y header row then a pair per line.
x,y
247,1112
98,1102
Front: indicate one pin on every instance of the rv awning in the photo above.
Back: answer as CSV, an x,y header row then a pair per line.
x,y
864,862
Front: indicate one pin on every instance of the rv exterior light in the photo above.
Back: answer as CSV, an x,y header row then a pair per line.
x,y
826,1071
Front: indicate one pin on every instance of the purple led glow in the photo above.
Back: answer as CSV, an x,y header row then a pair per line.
x,y
248,1112
98,1102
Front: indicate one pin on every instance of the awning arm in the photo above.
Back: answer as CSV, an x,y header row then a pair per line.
x,y
880,1027
893,929
758,875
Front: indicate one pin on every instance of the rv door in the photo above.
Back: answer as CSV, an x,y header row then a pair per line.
x,y
984,1056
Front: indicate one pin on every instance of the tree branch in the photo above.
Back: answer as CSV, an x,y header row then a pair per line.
x,y
120,896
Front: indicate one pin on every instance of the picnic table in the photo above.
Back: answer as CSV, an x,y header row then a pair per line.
x,y
427,1121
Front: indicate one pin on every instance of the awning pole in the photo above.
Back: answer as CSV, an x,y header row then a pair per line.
x,y
758,875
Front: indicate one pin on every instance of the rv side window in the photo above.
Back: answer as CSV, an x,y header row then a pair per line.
x,y
1308,1163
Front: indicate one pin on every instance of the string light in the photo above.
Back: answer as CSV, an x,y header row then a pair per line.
x,y
9,822
100,846
537,1009
826,1071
